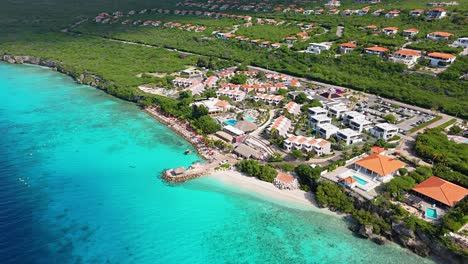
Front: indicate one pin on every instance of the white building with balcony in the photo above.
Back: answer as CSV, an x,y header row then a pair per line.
x,y
327,130
317,48
406,56
308,144
352,115
315,121
316,111
384,131
337,111
359,124
349,136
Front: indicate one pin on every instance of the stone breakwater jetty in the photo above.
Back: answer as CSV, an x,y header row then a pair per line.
x,y
184,129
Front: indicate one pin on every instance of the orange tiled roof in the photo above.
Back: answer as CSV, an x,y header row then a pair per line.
x,y
348,179
441,190
411,30
283,177
380,164
348,45
377,149
222,103
441,55
408,52
391,28
441,33
379,49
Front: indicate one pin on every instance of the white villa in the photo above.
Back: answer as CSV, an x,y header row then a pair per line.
x,y
439,35
378,167
316,111
317,48
215,106
439,59
349,136
384,131
315,121
436,13
337,111
406,56
359,124
327,130
352,115
461,42
308,144
347,47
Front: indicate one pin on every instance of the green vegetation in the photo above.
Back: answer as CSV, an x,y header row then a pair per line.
x,y
455,130
434,145
330,195
390,118
457,217
267,32
253,168
307,174
447,124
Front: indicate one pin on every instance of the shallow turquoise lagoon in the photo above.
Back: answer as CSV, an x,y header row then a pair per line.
x,y
79,184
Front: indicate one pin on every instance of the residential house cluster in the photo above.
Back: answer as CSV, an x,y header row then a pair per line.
x,y
308,144
282,125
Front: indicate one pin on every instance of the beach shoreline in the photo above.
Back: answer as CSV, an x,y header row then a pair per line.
x,y
297,199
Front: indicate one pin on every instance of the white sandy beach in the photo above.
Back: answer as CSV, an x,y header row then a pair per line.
x,y
291,198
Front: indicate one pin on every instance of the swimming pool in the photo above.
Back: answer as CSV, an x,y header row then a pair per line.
x,y
431,213
230,122
251,119
359,180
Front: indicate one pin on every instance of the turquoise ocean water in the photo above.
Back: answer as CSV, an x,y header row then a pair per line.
x,y
79,184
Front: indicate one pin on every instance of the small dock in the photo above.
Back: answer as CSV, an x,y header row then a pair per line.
x,y
181,174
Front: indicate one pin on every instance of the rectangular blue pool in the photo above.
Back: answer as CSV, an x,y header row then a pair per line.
x,y
360,181
230,122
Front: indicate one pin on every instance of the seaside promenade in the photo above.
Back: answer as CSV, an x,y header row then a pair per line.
x,y
213,157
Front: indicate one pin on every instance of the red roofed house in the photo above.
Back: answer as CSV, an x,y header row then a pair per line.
x,y
347,47
441,191
381,167
378,150
439,59
406,56
410,32
379,51
439,35
393,13
390,30
436,13
371,27
416,12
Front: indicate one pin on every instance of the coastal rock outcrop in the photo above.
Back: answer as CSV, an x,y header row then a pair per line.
x,y
366,231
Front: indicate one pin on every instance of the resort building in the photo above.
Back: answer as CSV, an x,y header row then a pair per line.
x,y
308,144
269,98
436,13
315,121
410,32
347,47
352,115
237,134
406,56
247,152
210,82
246,126
293,108
439,59
379,51
327,130
380,167
282,124
461,42
384,131
359,124
440,191
439,35
348,136
390,30
317,48
215,106
337,111
235,95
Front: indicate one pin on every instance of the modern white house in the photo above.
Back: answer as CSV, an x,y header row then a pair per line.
x,y
416,12
317,48
337,111
384,131
352,115
316,111
390,30
410,32
378,167
359,124
378,51
439,59
327,130
349,136
406,56
315,121
436,13
461,42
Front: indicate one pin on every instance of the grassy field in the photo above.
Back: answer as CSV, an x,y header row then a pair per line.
x,y
268,32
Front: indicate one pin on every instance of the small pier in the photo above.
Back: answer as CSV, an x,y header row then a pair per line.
x,y
181,174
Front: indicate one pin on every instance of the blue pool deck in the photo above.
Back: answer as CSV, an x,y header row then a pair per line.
x,y
360,181
431,213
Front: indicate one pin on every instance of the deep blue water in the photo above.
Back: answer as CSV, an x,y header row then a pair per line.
x,y
79,184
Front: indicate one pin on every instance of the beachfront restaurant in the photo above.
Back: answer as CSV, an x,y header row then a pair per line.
x,y
378,167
